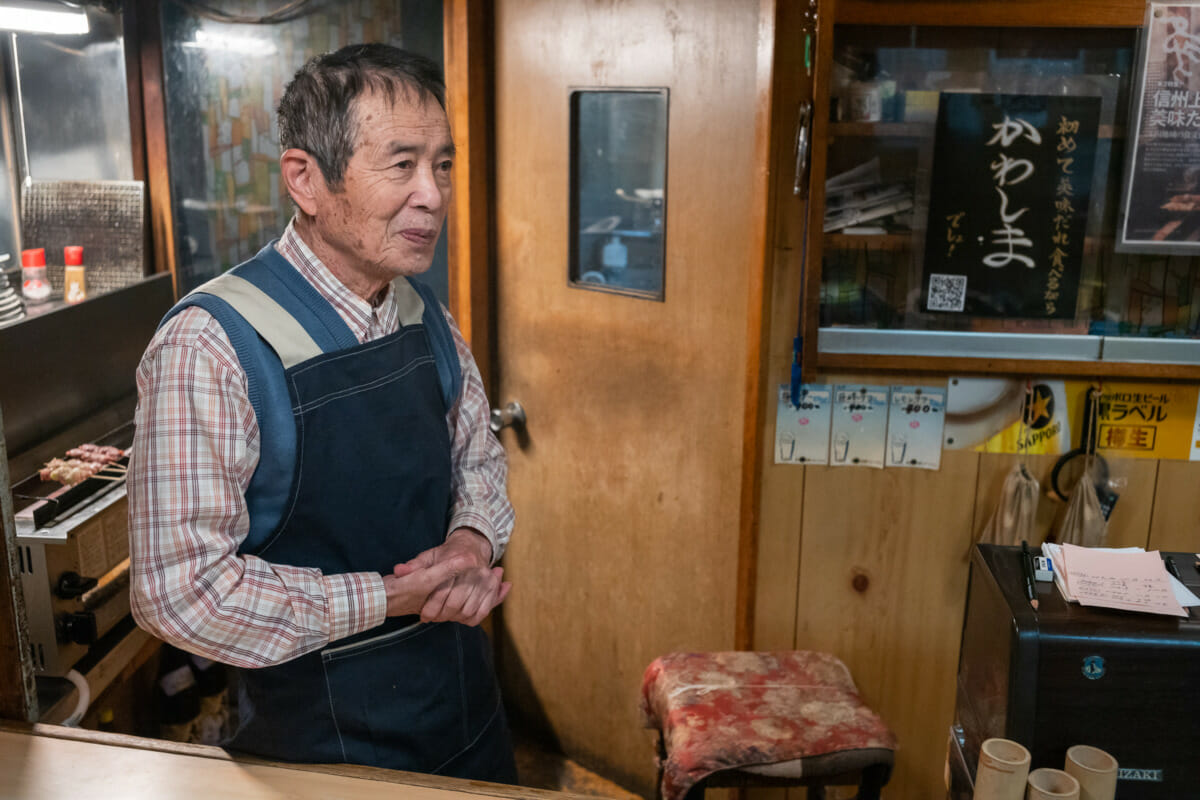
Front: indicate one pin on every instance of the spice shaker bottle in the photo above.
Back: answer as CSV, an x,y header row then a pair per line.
x,y
34,284
74,288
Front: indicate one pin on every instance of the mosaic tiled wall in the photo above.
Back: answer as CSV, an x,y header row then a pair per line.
x,y
224,82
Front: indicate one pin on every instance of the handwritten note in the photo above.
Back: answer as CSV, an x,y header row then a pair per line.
x,y
1128,581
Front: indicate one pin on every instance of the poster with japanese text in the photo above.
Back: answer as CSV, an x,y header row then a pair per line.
x,y
1139,420
1048,416
859,433
916,416
1012,177
1160,201
802,432
1008,415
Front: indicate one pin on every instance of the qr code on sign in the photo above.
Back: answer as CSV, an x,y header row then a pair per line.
x,y
947,292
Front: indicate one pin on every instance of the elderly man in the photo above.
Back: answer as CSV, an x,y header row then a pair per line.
x,y
315,496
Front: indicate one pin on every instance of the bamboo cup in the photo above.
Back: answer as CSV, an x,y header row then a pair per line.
x,y
1003,767
1052,784
1095,770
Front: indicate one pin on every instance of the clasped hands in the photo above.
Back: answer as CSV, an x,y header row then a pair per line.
x,y
453,582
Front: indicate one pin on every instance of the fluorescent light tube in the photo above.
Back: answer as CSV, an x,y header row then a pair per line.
x,y
27,19
233,43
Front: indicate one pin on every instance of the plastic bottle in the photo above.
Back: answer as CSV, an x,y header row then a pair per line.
x,y
615,255
34,283
74,287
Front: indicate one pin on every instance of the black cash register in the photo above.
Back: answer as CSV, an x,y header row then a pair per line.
x,y
1066,674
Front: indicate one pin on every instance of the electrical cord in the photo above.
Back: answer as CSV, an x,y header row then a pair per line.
x,y
85,699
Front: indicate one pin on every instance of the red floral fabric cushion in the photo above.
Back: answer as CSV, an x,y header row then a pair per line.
x,y
719,711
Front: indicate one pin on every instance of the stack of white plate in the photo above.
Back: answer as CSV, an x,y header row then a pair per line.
x,y
11,307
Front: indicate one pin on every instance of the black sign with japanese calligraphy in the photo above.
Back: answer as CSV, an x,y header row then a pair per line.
x,y
1012,176
1160,201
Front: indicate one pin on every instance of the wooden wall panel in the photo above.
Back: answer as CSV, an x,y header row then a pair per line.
x,y
1129,525
882,587
1175,524
778,554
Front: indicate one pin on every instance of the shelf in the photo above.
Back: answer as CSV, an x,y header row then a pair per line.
x,y
923,130
904,240
910,130
879,241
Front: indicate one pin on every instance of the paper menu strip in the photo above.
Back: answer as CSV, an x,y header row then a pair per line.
x,y
1128,581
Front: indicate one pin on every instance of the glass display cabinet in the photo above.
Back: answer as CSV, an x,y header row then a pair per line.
x,y
965,195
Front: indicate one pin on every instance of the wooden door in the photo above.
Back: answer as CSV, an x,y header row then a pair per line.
x,y
628,478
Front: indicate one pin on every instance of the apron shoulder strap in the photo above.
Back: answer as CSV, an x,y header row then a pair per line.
x,y
278,328
416,303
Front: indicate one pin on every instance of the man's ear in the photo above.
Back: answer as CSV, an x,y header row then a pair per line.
x,y
303,178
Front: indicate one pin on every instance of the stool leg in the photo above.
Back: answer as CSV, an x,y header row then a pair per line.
x,y
872,783
696,792
660,759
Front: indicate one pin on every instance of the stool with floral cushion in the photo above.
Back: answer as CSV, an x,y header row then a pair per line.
x,y
762,719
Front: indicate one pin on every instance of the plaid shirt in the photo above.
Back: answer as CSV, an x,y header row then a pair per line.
x,y
195,450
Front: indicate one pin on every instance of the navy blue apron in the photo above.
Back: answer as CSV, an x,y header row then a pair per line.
x,y
371,489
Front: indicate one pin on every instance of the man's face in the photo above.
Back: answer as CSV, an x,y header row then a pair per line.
x,y
385,220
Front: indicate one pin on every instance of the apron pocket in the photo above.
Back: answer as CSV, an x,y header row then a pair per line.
x,y
398,699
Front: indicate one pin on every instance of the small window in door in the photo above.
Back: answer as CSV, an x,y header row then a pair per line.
x,y
618,190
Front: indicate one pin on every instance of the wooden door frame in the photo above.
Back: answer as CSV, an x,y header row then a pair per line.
x,y
144,54
768,137
467,48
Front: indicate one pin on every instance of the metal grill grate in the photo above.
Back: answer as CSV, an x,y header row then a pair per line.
x,y
106,217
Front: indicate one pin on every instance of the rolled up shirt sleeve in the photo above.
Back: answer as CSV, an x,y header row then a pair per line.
x,y
195,450
480,467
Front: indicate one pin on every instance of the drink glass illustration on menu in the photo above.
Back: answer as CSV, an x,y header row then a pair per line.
x,y
841,447
899,445
787,446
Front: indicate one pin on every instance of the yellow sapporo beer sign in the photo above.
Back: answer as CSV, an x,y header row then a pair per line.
x,y
1046,424
1053,416
1143,420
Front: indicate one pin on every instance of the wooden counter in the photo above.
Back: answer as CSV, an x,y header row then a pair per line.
x,y
39,762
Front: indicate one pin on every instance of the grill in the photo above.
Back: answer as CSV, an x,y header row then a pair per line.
x,y
73,555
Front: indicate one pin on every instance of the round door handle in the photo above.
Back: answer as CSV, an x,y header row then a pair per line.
x,y
511,415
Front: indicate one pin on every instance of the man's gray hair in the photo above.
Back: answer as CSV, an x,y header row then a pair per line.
x,y
317,113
